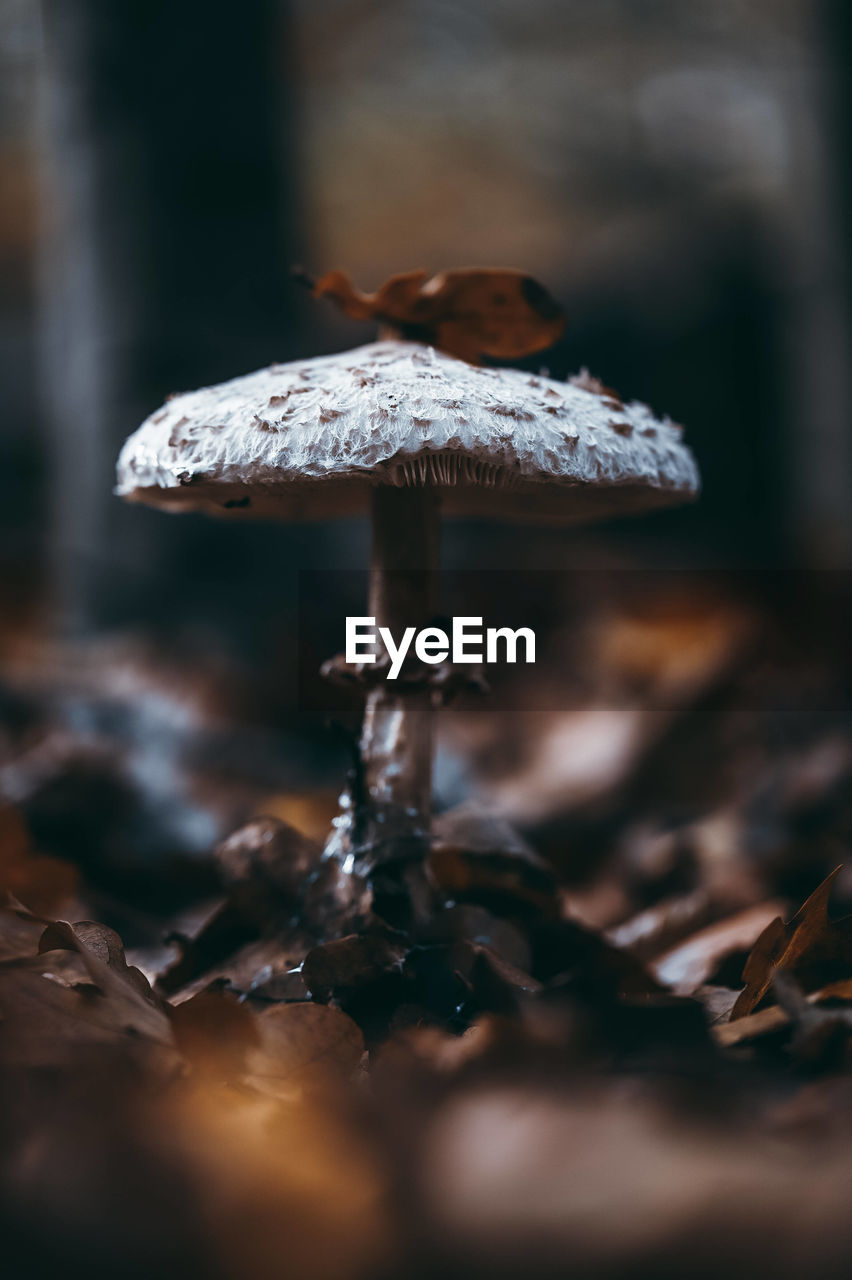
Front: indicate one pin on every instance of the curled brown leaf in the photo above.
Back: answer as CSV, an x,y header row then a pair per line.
x,y
467,312
813,947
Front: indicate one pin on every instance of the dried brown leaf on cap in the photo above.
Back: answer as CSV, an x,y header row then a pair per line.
x,y
467,312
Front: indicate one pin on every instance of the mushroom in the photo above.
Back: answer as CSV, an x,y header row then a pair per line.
x,y
408,431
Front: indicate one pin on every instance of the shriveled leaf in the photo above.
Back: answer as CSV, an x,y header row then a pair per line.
x,y
468,312
129,1001
226,948
102,953
813,947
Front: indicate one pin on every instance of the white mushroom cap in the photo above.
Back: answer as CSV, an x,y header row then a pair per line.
x,y
310,438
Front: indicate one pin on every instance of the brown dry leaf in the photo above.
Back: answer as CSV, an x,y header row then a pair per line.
x,y
813,947
102,953
46,1024
46,1021
468,312
127,1001
302,1044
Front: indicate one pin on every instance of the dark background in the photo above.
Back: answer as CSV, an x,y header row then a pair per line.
x,y
677,175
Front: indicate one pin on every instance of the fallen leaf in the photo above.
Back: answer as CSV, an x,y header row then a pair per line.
x,y
661,927
102,953
46,1024
821,1030
221,936
46,1021
813,947
467,312
130,1001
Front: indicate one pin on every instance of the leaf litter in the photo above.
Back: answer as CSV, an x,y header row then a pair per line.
x,y
616,1040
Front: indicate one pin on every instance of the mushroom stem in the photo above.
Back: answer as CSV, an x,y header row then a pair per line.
x,y
396,738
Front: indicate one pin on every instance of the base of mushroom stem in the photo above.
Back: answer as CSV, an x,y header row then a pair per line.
x,y
369,834
375,863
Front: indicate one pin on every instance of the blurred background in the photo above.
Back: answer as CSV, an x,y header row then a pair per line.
x,y
672,776
677,175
